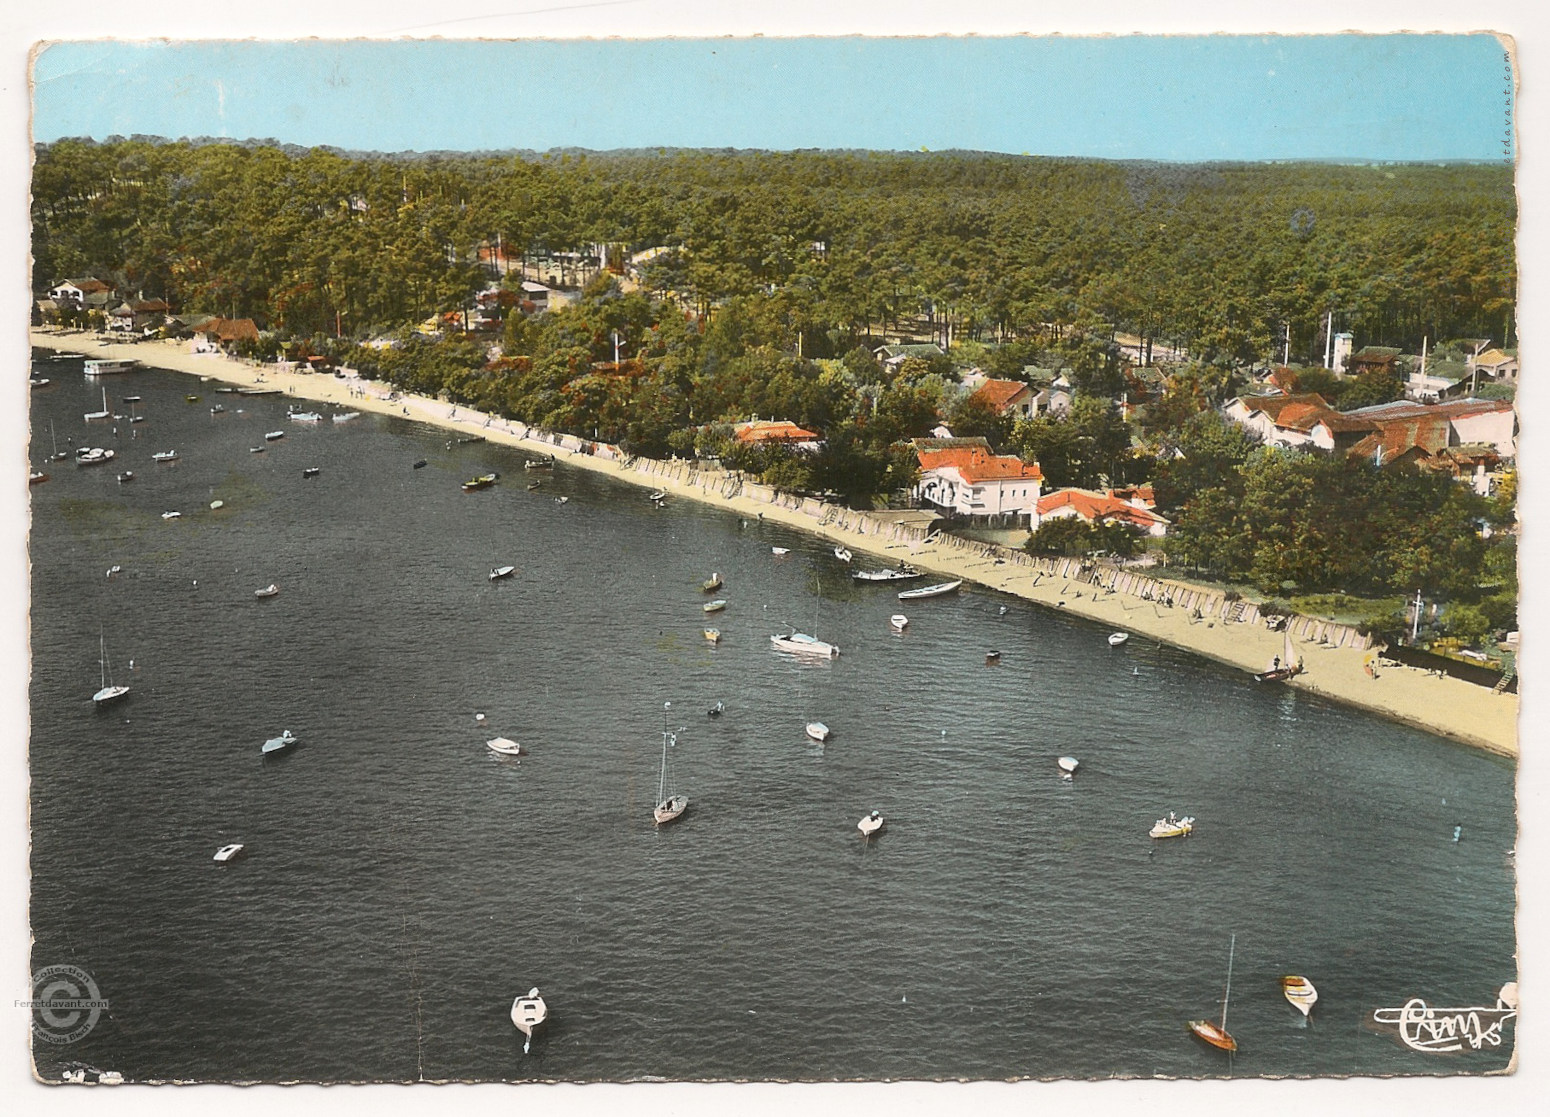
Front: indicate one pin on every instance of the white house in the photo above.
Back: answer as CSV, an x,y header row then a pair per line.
x,y
1131,507
971,481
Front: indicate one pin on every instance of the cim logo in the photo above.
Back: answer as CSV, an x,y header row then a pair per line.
x,y
1444,1030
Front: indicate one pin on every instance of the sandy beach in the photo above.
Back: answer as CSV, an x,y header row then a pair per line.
x,y
1459,710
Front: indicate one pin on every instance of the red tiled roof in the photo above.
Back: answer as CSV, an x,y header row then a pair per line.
x,y
975,465
1273,406
999,394
1093,506
773,431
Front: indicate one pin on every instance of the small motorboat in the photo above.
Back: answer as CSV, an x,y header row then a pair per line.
x,y
419,464
1068,765
217,505
541,463
172,515
780,550
93,455
229,853
217,410
191,399
898,621
714,606
165,456
268,591
346,416
115,570
284,741
562,500
1300,991
930,591
36,477
872,824
484,481
305,417
817,730
39,381
1001,611
255,449
711,584
528,1014
717,710
1172,827
127,475
843,554
505,746
311,471
713,635
656,496
800,643
992,658
499,572
1118,638
901,573
274,436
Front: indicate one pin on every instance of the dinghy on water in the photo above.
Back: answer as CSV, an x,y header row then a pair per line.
x,y
505,746
498,572
818,731
1068,765
780,550
872,824
268,591
276,744
843,554
528,1014
898,621
1172,827
229,852
1118,638
930,591
1300,992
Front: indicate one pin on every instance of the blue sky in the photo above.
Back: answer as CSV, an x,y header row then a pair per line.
x,y
1356,97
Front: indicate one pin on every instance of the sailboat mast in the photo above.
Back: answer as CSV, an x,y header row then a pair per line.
x,y
662,780
1228,993
102,659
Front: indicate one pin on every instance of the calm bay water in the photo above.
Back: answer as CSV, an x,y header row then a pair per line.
x,y
403,883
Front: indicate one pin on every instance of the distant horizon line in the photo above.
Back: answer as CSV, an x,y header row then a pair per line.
x,y
663,149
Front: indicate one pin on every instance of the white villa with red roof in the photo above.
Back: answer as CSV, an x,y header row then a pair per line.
x,y
971,481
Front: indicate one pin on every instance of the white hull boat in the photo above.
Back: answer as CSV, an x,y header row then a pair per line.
x,y
1300,991
898,621
780,550
930,591
106,367
108,691
843,554
268,591
165,456
1068,765
274,436
872,824
528,1014
305,417
498,572
800,643
899,574
669,805
1118,638
505,746
172,515
818,731
1171,827
93,455
346,416
229,853
284,741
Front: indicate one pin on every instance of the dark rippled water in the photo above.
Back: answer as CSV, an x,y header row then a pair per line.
x,y
404,883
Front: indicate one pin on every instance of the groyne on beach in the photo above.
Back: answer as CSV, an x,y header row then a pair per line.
x,y
1338,662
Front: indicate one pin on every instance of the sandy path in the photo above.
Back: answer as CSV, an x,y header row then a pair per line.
x,y
1447,706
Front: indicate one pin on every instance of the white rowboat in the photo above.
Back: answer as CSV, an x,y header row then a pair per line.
x,y
930,591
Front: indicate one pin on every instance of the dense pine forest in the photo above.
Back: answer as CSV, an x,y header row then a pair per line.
x,y
1217,258
780,273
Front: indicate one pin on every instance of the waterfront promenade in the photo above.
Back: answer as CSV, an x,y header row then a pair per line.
x,y
1336,664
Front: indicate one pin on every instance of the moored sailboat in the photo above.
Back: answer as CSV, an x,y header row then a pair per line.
x,y
670,805
108,691
1216,1034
